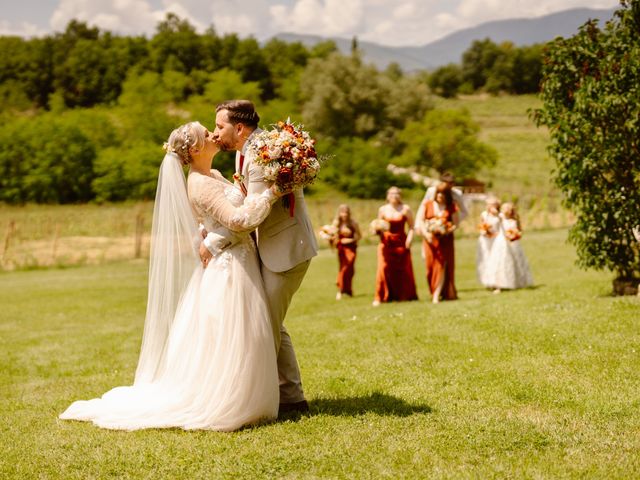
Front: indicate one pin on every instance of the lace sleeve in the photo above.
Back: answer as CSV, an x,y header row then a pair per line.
x,y
212,201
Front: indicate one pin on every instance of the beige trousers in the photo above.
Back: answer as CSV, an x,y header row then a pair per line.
x,y
280,287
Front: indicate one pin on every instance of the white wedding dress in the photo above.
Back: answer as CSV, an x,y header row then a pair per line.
x,y
216,369
507,266
485,243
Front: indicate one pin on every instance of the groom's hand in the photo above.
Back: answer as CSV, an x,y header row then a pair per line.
x,y
205,255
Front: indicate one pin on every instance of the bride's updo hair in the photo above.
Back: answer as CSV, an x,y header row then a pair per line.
x,y
187,136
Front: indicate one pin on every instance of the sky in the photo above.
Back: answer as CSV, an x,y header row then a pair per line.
x,y
387,22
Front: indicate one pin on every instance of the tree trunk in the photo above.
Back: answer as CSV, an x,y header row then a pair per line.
x,y
626,286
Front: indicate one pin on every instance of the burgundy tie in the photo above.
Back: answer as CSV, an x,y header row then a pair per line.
x,y
242,187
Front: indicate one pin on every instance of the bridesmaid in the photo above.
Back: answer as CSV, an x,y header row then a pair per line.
x,y
507,267
489,227
346,242
394,277
442,215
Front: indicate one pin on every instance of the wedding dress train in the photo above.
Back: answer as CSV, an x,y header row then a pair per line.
x,y
217,368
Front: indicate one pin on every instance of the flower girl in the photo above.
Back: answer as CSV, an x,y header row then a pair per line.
x,y
488,228
507,266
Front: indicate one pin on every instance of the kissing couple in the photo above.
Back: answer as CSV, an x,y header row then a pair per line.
x,y
215,354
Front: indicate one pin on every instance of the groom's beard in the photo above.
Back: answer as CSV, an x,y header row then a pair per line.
x,y
226,147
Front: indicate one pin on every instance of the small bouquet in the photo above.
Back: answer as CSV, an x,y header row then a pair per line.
x,y
485,230
287,154
378,225
328,232
438,226
513,234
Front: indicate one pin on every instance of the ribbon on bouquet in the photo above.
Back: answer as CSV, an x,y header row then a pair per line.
x,y
289,201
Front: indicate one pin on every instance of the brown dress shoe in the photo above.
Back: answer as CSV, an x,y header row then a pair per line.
x,y
298,407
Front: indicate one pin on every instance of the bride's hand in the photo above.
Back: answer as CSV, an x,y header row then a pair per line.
x,y
278,192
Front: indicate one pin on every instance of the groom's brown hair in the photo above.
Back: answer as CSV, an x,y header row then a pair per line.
x,y
240,111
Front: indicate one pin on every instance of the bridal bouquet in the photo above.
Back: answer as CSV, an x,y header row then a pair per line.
x,y
485,230
287,154
513,234
328,232
378,225
438,226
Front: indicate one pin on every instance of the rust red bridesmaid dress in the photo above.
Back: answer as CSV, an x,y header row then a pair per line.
x,y
394,278
347,259
440,256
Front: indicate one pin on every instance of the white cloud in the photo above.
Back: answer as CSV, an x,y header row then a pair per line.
x,y
473,12
390,22
328,17
403,11
23,29
121,16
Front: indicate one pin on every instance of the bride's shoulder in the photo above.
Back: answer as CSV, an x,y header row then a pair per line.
x,y
218,176
199,184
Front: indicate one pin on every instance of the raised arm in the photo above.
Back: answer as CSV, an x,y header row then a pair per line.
x,y
214,203
255,174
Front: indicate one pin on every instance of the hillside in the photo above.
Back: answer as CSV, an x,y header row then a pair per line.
x,y
520,31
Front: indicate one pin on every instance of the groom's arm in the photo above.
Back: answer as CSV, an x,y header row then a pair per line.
x,y
255,178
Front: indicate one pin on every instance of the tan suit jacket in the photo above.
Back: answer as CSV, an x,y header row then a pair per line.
x,y
283,241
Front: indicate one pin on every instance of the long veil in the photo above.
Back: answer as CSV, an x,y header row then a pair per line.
x,y
172,262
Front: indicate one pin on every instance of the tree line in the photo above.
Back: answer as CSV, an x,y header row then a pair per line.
x,y
492,68
85,111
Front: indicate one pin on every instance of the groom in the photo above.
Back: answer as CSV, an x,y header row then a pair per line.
x,y
286,242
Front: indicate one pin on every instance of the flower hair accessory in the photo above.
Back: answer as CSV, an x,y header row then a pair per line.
x,y
168,148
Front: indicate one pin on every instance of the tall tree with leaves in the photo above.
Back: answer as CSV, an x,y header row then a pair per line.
x,y
591,105
445,140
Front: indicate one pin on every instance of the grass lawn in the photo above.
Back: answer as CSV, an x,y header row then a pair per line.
x,y
537,383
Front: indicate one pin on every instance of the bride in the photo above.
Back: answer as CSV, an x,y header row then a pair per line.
x,y
208,359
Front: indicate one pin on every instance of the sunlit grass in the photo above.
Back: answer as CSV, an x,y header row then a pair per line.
x,y
537,383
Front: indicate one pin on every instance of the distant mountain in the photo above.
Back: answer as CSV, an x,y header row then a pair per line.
x,y
520,31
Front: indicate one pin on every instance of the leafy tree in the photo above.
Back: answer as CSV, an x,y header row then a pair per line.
x,y
25,70
219,86
127,173
345,98
394,71
499,77
176,45
591,105
143,107
527,69
324,49
445,140
285,62
359,168
477,62
445,81
13,96
45,160
407,99
250,63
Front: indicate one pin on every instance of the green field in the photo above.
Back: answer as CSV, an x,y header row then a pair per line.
x,y
62,235
537,383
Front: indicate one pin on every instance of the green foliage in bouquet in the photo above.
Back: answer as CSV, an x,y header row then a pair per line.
x,y
591,105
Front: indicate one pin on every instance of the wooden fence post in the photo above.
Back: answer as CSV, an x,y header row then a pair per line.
x,y
139,232
54,248
11,230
